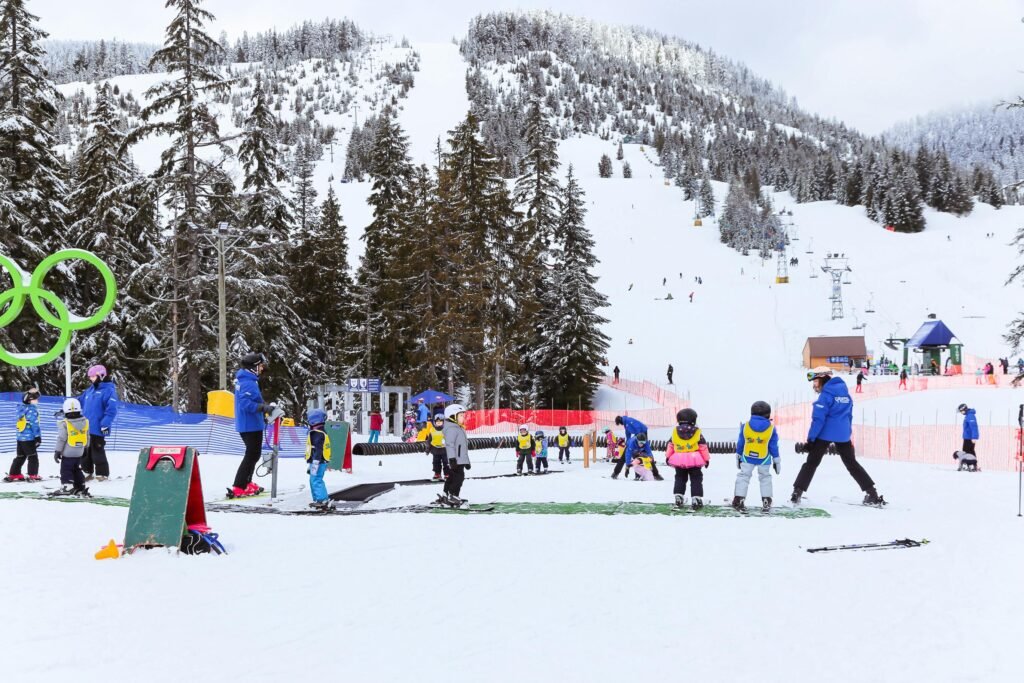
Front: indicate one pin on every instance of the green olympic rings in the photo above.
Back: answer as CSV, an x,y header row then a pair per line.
x,y
48,306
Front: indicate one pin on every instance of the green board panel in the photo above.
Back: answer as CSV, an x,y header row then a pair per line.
x,y
36,495
338,433
159,501
636,509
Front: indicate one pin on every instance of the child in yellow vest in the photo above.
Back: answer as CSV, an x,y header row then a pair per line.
x,y
563,444
318,454
526,448
436,447
757,447
687,451
72,440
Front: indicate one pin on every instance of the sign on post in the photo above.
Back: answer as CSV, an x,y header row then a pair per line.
x,y
363,385
839,359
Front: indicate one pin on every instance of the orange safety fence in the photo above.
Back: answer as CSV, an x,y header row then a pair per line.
x,y
507,420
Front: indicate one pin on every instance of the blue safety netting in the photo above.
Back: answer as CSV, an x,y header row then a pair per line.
x,y
137,427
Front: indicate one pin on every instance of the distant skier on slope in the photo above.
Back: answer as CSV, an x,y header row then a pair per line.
x,y
669,373
970,431
832,422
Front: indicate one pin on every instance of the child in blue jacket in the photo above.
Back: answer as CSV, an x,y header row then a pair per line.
x,y
757,447
318,454
28,438
541,451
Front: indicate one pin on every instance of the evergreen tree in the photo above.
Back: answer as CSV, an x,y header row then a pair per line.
x,y
571,350
619,154
177,109
627,171
604,168
304,193
903,207
114,215
265,204
706,199
32,187
537,188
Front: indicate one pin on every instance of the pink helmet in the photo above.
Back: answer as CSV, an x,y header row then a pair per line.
x,y
97,371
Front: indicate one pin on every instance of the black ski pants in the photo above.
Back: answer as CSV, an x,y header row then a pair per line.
x,y
457,475
441,463
564,451
71,472
695,475
542,460
816,451
95,457
253,450
529,462
968,447
26,451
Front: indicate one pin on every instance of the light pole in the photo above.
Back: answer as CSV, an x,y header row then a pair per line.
x,y
222,242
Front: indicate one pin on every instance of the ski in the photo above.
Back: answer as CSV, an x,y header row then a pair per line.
x,y
902,543
862,504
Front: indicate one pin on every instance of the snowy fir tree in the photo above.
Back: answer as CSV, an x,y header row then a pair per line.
x,y
264,203
706,199
627,170
32,185
178,109
114,215
604,167
570,351
536,191
303,190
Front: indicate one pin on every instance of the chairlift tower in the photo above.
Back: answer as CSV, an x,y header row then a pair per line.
x,y
781,267
836,265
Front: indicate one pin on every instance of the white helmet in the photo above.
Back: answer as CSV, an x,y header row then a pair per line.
x,y
71,405
524,428
453,410
820,372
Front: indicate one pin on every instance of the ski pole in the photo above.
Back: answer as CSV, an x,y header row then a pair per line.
x,y
1020,454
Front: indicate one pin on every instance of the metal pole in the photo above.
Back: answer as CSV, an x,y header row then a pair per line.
x,y
67,370
222,333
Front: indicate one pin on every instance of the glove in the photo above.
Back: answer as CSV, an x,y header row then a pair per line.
x,y
739,462
105,431
707,464
39,441
468,466
777,466
56,457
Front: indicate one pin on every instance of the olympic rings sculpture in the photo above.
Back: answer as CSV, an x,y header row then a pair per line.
x,y
48,306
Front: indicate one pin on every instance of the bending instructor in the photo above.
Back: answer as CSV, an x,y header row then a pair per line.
x,y
832,422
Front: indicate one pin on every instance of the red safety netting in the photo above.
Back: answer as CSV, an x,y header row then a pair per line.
x,y
507,420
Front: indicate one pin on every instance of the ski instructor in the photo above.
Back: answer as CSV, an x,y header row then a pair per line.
x,y
249,422
832,422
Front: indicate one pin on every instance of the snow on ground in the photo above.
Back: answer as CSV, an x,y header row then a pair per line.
x,y
509,598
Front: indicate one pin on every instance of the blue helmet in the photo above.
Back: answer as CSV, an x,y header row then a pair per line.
x,y
316,417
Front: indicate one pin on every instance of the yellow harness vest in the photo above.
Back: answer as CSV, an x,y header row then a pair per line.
x,y
21,424
77,438
524,442
756,443
563,440
327,448
437,439
682,445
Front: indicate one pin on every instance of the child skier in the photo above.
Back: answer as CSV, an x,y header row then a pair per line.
x,y
457,445
409,432
318,454
435,447
563,445
611,451
968,461
542,451
525,448
688,453
72,440
636,447
757,447
29,437
970,430
642,467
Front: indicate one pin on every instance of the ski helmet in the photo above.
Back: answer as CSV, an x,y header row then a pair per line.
x,y
438,417
687,416
539,434
252,360
316,417
97,371
962,408
607,430
30,395
453,410
641,438
524,428
71,405
761,409
820,372
562,430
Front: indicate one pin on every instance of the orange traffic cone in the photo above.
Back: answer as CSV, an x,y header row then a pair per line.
x,y
109,552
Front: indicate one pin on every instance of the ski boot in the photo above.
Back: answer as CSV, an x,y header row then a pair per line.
x,y
33,477
658,477
738,503
615,476
766,505
519,473
456,502
680,501
100,477
12,478
322,505
873,499
65,490
697,503
437,477
81,492
797,495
